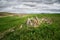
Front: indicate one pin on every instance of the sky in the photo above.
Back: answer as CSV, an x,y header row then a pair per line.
x,y
30,6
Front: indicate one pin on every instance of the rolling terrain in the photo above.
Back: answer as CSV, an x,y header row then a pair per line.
x,y
10,28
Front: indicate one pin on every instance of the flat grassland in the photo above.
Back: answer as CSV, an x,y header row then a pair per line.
x,y
43,32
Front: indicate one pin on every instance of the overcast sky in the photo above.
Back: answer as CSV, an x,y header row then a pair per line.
x,y
30,6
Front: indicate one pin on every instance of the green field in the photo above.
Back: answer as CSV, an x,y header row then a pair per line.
x,y
43,32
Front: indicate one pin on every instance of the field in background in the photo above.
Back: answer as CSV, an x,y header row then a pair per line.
x,y
43,32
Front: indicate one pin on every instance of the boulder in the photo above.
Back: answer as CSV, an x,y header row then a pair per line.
x,y
33,21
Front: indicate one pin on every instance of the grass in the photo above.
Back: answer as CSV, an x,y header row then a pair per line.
x,y
43,32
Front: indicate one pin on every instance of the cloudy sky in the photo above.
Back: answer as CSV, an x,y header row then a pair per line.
x,y
30,6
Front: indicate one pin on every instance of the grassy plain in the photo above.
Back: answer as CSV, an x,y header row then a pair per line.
x,y
43,32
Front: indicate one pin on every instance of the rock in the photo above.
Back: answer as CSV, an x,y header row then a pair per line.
x,y
33,21
21,26
29,22
47,20
12,30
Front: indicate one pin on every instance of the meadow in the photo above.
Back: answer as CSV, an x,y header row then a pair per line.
x,y
43,32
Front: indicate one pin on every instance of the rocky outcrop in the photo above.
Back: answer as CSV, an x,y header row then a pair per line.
x,y
35,22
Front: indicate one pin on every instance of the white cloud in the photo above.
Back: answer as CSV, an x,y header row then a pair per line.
x,y
28,7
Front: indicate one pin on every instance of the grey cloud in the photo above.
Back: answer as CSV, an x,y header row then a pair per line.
x,y
29,6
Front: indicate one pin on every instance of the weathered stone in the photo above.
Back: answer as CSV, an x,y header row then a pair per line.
x,y
21,26
33,21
